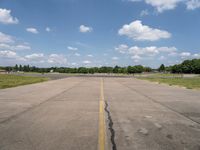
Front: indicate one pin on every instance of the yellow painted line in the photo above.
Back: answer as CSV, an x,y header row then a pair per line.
x,y
101,120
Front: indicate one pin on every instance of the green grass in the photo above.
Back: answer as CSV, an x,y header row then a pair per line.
x,y
190,83
7,81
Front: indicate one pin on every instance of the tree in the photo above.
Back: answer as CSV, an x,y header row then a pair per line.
x,y
16,68
131,70
147,69
116,69
20,68
139,69
161,68
91,70
83,70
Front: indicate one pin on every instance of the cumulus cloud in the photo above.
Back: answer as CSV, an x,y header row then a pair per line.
x,y
22,47
77,54
32,30
122,48
115,58
4,46
8,42
47,29
139,32
85,29
35,56
57,59
4,38
144,13
151,50
73,64
90,55
196,55
6,17
185,54
8,54
193,4
72,48
136,57
138,53
87,62
162,58
163,5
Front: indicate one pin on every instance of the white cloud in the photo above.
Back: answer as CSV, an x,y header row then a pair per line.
x,y
4,38
73,64
162,5
72,48
5,46
185,54
148,51
173,54
85,29
8,54
90,55
196,55
139,54
57,59
162,58
77,54
87,62
105,54
35,56
48,29
193,4
136,57
122,48
151,50
32,30
168,49
22,47
144,13
139,32
115,58
6,18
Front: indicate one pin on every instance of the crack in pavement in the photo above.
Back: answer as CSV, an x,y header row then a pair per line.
x,y
111,129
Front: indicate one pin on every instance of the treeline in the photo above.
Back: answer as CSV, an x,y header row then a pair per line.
x,y
84,70
187,66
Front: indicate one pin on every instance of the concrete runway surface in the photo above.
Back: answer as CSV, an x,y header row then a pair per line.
x,y
91,113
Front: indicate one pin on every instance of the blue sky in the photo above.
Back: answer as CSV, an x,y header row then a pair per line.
x,y
88,33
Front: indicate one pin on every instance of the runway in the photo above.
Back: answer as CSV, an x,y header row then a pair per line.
x,y
99,113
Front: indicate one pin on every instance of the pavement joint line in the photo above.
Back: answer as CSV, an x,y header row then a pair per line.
x,y
35,106
102,131
155,101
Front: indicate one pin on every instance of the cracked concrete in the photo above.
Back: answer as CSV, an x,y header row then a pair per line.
x,y
110,127
63,114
